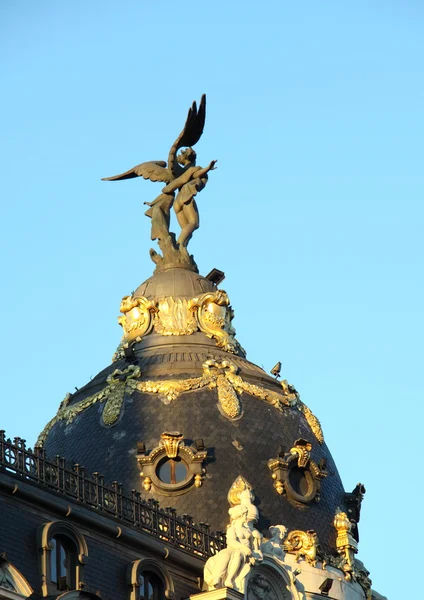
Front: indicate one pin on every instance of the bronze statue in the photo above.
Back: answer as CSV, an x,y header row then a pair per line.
x,y
181,176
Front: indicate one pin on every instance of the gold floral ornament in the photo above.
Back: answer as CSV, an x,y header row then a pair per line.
x,y
291,393
113,394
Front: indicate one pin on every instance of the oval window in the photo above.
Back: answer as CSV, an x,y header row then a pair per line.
x,y
299,481
172,470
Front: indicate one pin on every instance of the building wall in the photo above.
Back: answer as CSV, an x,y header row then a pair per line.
x,y
108,559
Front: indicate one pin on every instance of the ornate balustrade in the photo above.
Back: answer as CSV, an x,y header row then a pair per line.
x,y
91,491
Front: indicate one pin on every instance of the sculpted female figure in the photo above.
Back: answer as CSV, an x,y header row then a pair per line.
x,y
230,566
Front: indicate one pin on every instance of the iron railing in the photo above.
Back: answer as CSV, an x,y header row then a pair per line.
x,y
73,483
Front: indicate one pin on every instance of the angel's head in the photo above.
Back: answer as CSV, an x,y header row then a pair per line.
x,y
187,157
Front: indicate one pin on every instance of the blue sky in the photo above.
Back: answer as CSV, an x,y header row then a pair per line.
x,y
314,213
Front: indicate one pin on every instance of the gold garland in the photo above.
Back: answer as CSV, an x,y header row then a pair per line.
x,y
221,375
311,419
113,394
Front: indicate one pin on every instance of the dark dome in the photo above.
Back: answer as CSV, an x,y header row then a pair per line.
x,y
176,282
239,447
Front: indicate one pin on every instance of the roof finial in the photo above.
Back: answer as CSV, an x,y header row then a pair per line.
x,y
183,178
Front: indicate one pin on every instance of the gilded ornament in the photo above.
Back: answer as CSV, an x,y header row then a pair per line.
x,y
234,493
346,544
303,544
277,400
171,440
113,394
170,389
147,484
228,399
312,421
174,318
292,396
214,315
137,319
209,313
298,458
219,373
302,449
118,382
216,374
171,446
279,487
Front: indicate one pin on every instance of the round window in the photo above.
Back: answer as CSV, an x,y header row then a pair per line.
x,y
172,470
300,481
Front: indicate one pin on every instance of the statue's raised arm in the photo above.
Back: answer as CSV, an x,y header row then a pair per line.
x,y
182,177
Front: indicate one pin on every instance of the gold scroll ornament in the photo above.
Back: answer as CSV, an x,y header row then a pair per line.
x,y
209,313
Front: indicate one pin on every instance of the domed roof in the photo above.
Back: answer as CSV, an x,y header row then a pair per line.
x,y
174,282
179,372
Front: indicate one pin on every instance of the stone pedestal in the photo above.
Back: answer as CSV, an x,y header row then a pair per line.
x,y
223,593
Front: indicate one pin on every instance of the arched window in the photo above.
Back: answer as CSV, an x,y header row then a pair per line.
x,y
150,586
63,555
63,563
149,580
12,583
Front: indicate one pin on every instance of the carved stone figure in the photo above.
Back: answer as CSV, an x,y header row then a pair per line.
x,y
230,566
274,546
182,177
259,588
246,499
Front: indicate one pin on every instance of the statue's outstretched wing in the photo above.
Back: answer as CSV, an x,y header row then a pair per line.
x,y
155,170
190,135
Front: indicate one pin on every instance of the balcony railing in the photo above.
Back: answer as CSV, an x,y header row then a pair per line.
x,y
131,509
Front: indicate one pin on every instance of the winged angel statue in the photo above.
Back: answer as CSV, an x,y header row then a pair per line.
x,y
183,178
